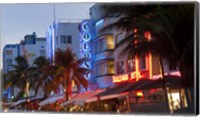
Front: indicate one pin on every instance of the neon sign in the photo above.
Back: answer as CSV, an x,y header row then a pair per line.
x,y
127,77
86,34
174,73
121,78
135,75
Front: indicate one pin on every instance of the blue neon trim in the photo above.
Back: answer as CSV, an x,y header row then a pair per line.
x,y
99,22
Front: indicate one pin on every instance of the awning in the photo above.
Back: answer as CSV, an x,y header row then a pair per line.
x,y
120,88
171,82
52,99
100,98
94,98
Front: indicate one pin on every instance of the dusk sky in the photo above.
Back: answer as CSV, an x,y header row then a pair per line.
x,y
17,20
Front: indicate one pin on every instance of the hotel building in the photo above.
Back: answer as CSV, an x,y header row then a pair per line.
x,y
109,65
113,66
10,52
31,47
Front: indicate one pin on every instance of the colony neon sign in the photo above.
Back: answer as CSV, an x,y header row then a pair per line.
x,y
127,77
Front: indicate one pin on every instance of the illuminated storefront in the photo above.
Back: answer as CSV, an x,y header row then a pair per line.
x,y
135,68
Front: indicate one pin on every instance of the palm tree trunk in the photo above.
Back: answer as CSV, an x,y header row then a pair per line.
x,y
68,87
27,89
36,90
45,91
164,85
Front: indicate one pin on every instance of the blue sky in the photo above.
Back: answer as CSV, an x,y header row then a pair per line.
x,y
17,20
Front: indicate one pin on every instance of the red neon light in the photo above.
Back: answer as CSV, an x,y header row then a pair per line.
x,y
135,30
147,35
135,76
175,73
152,90
120,78
125,77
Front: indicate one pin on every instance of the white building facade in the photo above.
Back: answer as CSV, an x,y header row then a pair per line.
x,y
62,35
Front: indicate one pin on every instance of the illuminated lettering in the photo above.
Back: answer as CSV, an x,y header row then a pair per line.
x,y
120,78
125,77
135,75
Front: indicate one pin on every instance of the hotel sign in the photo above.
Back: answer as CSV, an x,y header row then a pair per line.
x,y
127,77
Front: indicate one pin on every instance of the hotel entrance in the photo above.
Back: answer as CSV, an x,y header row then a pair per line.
x,y
176,99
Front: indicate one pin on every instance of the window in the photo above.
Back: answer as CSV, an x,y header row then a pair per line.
x,y
69,39
111,67
103,44
9,61
128,33
63,39
8,52
142,62
42,52
119,37
120,67
100,45
56,39
101,68
104,67
131,65
29,40
110,42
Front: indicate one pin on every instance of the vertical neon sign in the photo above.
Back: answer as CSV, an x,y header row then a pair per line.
x,y
147,35
53,41
85,37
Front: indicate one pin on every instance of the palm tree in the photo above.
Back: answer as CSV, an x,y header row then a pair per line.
x,y
68,69
172,30
19,76
41,75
